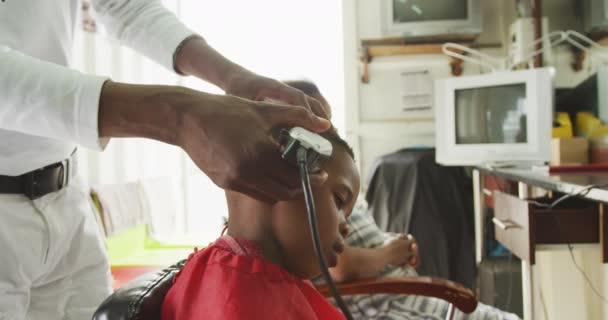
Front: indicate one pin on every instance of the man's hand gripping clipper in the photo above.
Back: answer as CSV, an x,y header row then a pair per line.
x,y
312,146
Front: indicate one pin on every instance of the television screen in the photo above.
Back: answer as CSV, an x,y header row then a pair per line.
x,y
495,114
425,10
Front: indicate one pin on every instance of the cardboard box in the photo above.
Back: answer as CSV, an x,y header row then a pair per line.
x,y
569,151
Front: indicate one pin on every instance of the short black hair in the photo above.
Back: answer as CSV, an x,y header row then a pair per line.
x,y
306,86
309,88
334,138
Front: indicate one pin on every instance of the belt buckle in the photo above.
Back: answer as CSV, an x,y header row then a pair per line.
x,y
32,184
65,173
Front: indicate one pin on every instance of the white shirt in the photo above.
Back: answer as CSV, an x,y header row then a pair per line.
x,y
47,109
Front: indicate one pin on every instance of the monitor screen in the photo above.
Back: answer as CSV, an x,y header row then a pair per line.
x,y
495,114
425,10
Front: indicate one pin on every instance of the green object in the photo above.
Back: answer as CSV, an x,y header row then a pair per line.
x,y
133,247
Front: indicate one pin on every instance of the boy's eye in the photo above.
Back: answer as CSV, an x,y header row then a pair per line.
x,y
339,201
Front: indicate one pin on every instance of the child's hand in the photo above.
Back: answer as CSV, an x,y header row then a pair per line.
x,y
402,250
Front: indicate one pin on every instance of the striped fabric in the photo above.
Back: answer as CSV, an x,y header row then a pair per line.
x,y
365,233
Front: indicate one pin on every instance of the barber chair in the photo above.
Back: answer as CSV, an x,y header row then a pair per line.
x,y
142,298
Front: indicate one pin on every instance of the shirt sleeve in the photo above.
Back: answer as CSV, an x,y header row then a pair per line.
x,y
145,25
44,99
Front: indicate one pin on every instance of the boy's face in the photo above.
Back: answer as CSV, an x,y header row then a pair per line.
x,y
334,201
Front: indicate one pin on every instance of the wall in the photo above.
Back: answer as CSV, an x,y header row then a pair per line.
x,y
562,290
372,135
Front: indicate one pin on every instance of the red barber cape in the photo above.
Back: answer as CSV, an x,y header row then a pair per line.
x,y
230,280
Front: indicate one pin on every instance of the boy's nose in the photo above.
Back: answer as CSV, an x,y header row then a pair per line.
x,y
344,229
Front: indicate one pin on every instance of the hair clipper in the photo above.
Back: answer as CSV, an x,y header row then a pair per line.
x,y
318,149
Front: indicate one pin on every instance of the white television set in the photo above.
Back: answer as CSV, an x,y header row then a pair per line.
x,y
501,117
424,18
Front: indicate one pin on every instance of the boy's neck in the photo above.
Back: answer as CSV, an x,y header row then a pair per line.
x,y
250,220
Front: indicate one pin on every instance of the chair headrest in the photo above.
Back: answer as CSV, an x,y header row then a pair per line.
x,y
141,298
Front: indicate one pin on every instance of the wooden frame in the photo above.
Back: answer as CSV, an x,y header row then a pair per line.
x,y
456,294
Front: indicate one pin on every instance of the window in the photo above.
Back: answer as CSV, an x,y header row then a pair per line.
x,y
281,39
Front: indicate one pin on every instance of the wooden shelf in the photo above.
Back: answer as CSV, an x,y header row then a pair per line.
x,y
387,50
412,46
369,51
603,41
439,39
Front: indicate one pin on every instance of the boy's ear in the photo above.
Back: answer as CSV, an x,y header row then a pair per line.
x,y
318,178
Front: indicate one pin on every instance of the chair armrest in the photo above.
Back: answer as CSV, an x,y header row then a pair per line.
x,y
454,293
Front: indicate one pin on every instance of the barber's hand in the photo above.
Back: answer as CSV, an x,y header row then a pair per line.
x,y
230,139
402,250
197,58
251,86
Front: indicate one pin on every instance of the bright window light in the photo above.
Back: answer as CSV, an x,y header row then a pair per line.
x,y
281,39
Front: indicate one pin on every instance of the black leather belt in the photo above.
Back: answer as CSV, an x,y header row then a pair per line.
x,y
40,182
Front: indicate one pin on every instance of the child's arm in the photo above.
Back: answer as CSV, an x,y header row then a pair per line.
x,y
357,263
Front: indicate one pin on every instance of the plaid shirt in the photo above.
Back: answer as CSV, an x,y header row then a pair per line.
x,y
364,233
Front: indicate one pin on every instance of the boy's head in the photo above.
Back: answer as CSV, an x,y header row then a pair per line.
x,y
285,223
334,201
311,90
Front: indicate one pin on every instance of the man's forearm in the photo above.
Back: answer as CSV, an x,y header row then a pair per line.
x,y
199,59
195,57
127,110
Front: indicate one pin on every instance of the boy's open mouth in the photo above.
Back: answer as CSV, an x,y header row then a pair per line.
x,y
332,256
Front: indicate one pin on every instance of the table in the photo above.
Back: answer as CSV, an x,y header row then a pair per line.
x,y
526,179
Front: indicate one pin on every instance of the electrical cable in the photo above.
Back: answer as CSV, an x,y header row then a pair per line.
x,y
575,39
507,63
302,159
561,37
552,206
496,64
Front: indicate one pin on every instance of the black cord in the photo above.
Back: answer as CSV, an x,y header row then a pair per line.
x,y
550,207
314,230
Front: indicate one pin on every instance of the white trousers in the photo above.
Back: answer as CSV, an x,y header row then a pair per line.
x,y
53,263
